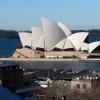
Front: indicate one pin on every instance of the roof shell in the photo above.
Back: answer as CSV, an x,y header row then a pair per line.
x,y
36,34
93,46
85,46
24,37
29,42
53,34
40,43
77,39
68,44
60,45
64,28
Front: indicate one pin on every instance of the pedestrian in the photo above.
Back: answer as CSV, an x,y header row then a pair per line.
x,y
63,97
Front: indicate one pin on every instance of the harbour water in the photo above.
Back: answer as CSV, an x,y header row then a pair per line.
x,y
8,46
74,65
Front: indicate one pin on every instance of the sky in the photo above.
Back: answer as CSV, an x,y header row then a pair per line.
x,y
75,14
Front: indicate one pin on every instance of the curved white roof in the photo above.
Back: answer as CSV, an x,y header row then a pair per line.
x,y
93,45
29,42
52,34
68,44
61,44
85,46
77,39
40,43
64,28
36,34
64,44
24,37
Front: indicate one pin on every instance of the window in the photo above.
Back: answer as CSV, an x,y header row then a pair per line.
x,y
84,86
78,86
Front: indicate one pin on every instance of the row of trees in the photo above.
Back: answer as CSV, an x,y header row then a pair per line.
x,y
93,31
10,33
14,34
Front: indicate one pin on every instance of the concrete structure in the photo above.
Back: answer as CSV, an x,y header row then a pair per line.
x,y
81,85
53,37
24,37
29,43
36,36
52,34
68,45
64,28
56,36
60,54
40,43
93,46
65,43
77,39
61,44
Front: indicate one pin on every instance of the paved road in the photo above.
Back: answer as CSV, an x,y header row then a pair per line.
x,y
44,59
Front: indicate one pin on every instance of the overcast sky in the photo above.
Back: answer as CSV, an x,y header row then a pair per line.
x,y
23,14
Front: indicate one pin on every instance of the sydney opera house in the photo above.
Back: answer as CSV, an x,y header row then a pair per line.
x,y
55,40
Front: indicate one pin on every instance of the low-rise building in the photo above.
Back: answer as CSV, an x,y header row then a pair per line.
x,y
11,76
81,85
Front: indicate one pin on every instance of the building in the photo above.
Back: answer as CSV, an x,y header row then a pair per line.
x,y
61,37
11,76
84,86
55,37
81,85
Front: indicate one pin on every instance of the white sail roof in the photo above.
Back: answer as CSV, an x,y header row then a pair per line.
x,y
64,28
77,39
29,42
40,43
93,45
36,34
24,37
52,34
85,46
68,44
61,44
